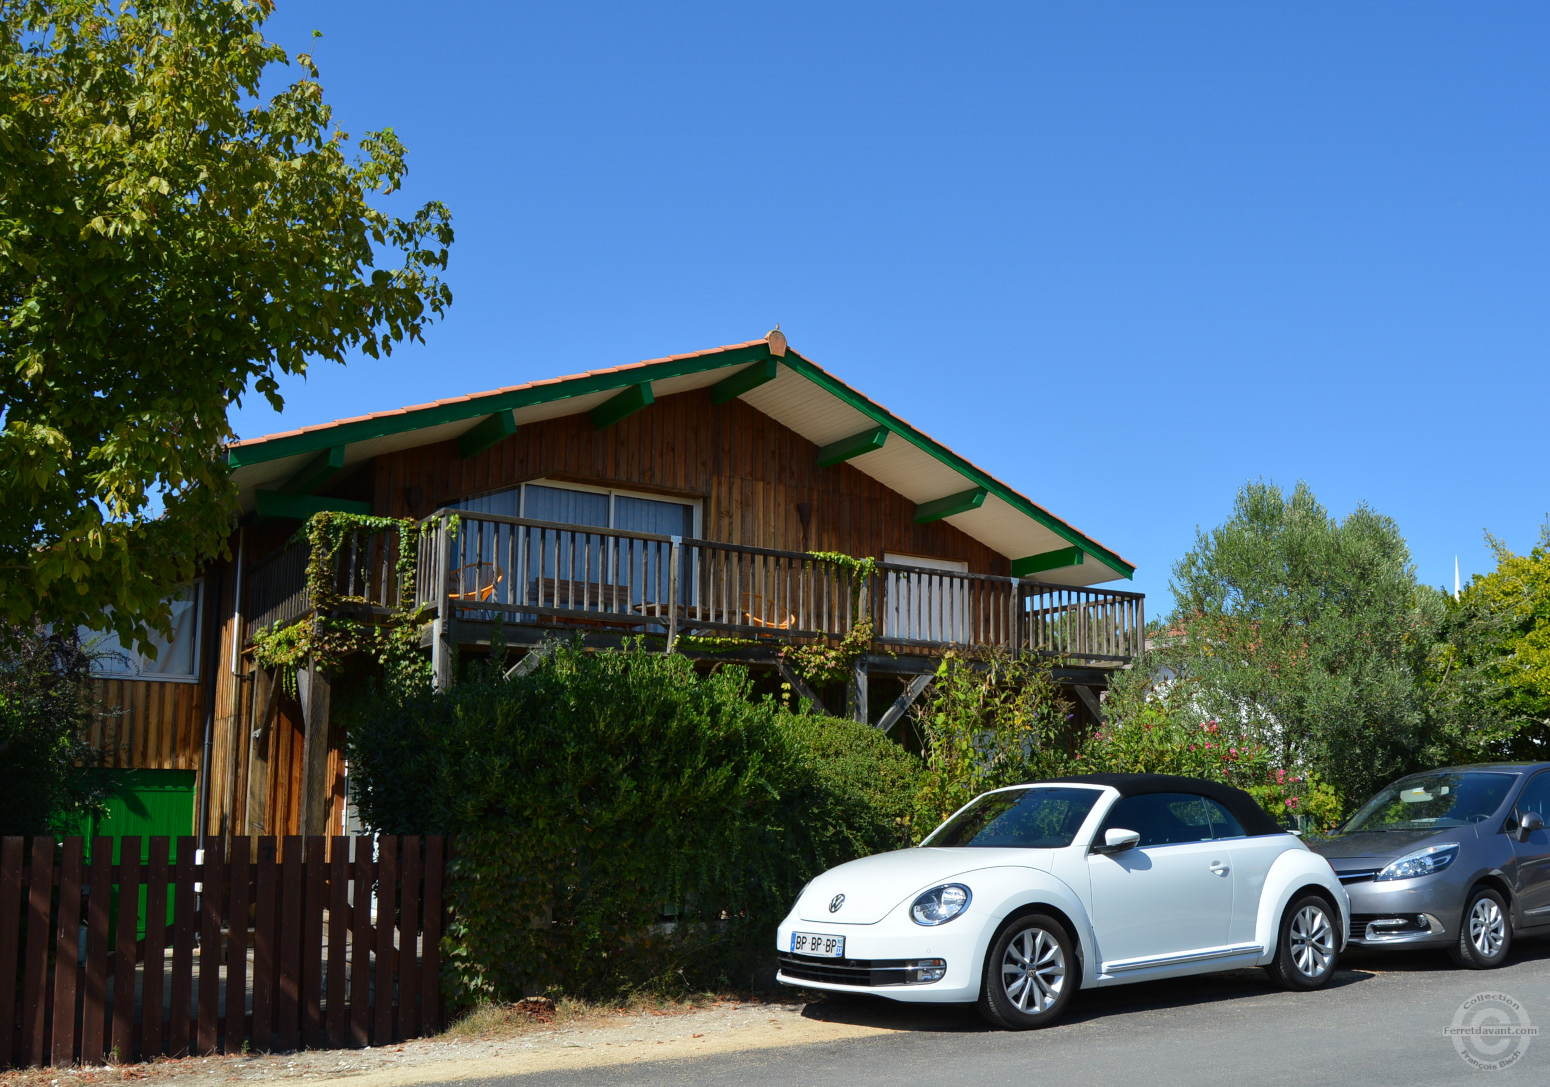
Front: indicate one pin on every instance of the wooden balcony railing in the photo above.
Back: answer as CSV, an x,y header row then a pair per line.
x,y
529,571
366,579
483,566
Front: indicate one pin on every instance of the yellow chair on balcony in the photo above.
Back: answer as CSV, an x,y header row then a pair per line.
x,y
477,581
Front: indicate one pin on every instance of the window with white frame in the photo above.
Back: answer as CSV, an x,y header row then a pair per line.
x,y
177,657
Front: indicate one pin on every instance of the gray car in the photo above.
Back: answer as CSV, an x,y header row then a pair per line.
x,y
1456,858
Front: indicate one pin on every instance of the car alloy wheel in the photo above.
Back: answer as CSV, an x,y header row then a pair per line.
x,y
1312,941
1486,932
1028,974
1308,946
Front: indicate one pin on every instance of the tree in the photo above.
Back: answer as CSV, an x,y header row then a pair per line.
x,y
1305,633
1495,664
169,240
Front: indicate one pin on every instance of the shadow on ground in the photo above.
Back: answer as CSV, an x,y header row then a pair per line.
x,y
876,1011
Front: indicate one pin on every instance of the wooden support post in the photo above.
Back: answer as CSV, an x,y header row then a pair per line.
x,y
799,685
442,646
895,713
266,695
856,692
314,755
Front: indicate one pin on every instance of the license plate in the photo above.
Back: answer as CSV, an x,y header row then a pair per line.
x,y
815,943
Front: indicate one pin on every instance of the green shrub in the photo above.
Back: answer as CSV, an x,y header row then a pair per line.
x,y
46,703
989,723
621,821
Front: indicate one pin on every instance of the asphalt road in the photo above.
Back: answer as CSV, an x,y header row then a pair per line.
x,y
1383,1021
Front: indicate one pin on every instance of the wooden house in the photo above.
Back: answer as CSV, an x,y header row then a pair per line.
x,y
730,503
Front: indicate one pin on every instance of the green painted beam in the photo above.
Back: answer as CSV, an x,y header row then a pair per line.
x,y
851,447
494,430
730,388
623,406
477,407
962,502
315,472
299,507
1048,560
941,453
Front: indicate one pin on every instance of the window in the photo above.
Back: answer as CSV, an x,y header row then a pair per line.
x,y
569,569
1536,797
594,507
1170,818
177,658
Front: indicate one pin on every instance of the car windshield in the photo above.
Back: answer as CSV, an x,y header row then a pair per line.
x,y
1033,818
1433,801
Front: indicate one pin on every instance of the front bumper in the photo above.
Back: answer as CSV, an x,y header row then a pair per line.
x,y
879,958
1421,912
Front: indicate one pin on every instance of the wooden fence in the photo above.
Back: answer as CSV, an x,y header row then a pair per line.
x,y
275,944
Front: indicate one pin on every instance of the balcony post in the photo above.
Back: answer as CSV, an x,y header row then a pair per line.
x,y
856,692
442,643
672,592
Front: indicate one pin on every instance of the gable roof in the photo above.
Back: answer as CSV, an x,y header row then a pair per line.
x,y
788,388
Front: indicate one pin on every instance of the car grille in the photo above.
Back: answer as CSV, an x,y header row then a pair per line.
x,y
844,971
1356,877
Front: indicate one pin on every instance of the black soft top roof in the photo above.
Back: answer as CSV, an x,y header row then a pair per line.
x,y
1244,808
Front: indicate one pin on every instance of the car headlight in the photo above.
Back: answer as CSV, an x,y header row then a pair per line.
x,y
1423,862
941,904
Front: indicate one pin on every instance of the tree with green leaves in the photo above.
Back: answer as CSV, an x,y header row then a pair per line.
x,y
171,237
1493,668
1305,633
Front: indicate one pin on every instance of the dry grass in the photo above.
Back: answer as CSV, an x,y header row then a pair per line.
x,y
486,1022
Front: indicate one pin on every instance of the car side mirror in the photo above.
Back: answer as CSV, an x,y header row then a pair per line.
x,y
1117,840
1528,823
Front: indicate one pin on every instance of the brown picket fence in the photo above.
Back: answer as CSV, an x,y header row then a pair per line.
x,y
264,944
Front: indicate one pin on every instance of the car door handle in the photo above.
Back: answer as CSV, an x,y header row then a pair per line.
x,y
1219,868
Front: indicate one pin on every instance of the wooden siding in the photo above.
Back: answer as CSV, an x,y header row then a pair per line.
x,y
147,724
752,476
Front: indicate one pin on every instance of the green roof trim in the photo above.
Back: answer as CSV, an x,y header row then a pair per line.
x,y
946,456
951,505
744,380
627,403
301,506
312,475
477,407
1048,560
845,449
361,430
494,430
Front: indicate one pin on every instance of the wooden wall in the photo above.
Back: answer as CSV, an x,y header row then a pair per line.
x,y
149,724
751,475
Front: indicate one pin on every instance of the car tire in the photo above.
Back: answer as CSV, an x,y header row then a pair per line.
x,y
1307,944
1485,931
1031,974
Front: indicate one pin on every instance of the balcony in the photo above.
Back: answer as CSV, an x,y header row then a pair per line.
x,y
538,577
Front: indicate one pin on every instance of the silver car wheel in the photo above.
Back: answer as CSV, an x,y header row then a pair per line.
x,y
1487,928
1033,970
1312,941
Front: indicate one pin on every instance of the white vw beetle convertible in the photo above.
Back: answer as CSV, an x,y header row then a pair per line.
x,y
1029,893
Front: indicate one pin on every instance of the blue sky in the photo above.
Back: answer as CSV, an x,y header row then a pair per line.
x,y
1124,256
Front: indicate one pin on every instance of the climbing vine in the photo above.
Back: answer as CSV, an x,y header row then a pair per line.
x,y
331,634
831,660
